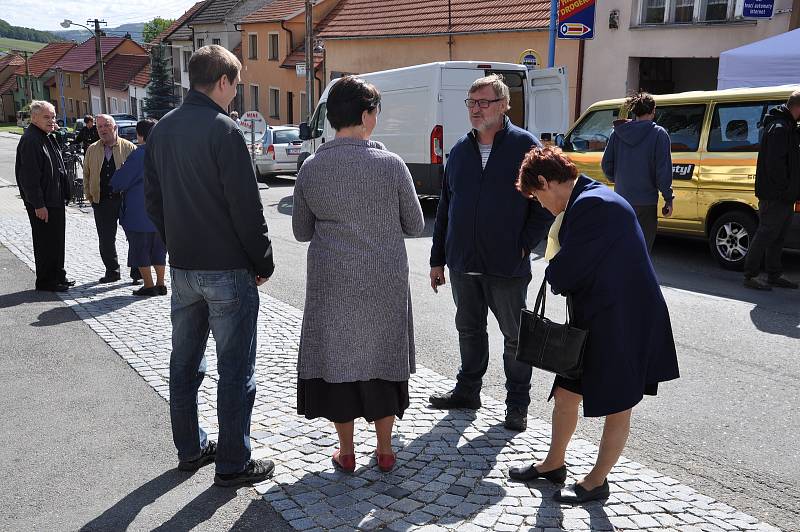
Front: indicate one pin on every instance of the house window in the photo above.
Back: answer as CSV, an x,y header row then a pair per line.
x,y
273,46
684,11
254,97
238,102
68,80
187,54
274,103
654,11
201,43
716,10
216,41
252,46
71,105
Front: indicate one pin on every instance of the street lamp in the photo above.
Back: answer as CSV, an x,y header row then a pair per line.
x,y
98,53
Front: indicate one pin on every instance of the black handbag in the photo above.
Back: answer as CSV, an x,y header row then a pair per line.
x,y
554,347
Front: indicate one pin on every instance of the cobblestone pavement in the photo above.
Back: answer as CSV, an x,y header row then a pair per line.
x,y
451,465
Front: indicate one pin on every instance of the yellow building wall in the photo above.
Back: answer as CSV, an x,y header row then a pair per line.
x,y
370,55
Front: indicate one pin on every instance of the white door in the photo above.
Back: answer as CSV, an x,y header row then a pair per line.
x,y
96,106
548,101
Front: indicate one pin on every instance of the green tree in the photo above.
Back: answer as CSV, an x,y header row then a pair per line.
x,y
153,28
161,98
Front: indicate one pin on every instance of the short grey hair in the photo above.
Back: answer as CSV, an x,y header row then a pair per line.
x,y
107,118
495,81
37,106
794,99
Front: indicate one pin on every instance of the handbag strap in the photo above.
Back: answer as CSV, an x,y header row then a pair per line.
x,y
541,299
569,309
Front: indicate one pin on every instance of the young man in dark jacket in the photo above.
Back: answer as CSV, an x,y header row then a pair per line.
x,y
484,232
88,135
638,160
777,189
43,186
201,194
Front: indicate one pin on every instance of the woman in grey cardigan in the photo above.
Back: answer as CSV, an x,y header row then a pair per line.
x,y
354,201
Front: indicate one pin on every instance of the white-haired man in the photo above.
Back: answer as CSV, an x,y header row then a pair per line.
x,y
44,187
102,160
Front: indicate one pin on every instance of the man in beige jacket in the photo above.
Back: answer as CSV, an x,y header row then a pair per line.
x,y
101,161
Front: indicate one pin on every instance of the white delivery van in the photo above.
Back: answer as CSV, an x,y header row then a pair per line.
x,y
423,112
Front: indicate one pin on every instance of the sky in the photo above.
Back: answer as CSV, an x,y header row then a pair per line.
x,y
48,14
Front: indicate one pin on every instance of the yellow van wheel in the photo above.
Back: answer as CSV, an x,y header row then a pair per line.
x,y
730,238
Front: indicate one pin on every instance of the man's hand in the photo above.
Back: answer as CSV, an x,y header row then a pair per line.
x,y
437,278
667,210
42,214
261,280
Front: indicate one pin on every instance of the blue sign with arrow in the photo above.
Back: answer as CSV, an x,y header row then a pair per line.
x,y
576,19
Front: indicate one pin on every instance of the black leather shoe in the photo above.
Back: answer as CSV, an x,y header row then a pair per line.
x,y
67,282
451,400
57,287
110,277
525,474
782,282
756,284
147,291
516,419
207,455
576,494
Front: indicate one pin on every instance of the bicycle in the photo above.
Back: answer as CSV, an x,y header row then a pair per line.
x,y
72,158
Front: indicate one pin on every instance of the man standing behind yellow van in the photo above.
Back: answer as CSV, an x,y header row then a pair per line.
x,y
777,189
638,160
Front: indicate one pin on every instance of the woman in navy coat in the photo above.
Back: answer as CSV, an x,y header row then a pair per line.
x,y
604,264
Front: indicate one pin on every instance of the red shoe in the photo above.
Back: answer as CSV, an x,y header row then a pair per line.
x,y
386,461
344,462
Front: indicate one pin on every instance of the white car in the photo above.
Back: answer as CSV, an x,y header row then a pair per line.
x,y
277,151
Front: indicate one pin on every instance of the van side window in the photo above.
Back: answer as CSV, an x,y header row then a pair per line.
x,y
592,133
737,126
318,121
683,123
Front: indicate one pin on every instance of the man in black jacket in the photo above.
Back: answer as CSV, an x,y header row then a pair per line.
x,y
777,189
202,195
43,186
88,135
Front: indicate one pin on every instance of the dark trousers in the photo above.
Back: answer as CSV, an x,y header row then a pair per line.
x,y
106,216
48,246
474,295
774,220
648,221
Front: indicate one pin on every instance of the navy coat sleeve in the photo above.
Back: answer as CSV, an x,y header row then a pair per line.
x,y
608,162
130,172
438,256
586,235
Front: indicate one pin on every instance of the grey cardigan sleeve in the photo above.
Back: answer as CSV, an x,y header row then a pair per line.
x,y
411,217
303,219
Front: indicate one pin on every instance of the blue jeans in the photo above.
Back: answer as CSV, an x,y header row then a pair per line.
x,y
474,295
226,304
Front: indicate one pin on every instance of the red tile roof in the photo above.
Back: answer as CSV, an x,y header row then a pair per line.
x,y
120,70
11,60
82,58
8,85
276,11
142,79
377,18
46,58
298,55
180,21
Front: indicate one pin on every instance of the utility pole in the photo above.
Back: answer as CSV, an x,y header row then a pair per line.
x,y
309,60
28,90
794,22
99,54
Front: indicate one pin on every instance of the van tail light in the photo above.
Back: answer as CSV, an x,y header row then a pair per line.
x,y
797,207
271,152
437,145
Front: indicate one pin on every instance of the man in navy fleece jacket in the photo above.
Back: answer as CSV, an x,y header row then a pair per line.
x,y
638,160
484,232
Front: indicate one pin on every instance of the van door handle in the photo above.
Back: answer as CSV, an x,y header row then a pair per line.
x,y
751,176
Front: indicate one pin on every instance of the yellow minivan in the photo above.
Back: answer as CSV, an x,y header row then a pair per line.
x,y
715,138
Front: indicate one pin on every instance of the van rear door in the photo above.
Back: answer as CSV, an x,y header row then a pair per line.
x,y
548,97
455,118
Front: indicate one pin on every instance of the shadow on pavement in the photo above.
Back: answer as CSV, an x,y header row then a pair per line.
x,y
123,513
285,205
59,315
771,322
27,296
200,510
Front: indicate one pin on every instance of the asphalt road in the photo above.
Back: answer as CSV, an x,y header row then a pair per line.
x,y
728,427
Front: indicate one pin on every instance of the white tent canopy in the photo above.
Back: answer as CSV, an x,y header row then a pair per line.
x,y
773,61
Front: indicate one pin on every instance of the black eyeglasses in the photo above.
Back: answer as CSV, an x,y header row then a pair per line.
x,y
483,104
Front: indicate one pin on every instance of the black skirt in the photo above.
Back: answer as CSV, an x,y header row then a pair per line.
x,y
576,386
342,402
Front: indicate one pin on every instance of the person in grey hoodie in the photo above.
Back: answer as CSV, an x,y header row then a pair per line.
x,y
638,160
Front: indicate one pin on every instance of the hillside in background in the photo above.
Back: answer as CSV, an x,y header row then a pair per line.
x,y
16,44
80,35
26,34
